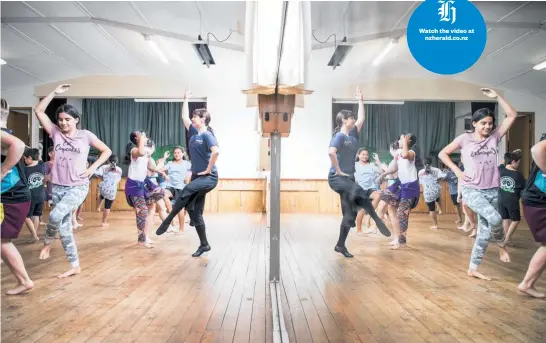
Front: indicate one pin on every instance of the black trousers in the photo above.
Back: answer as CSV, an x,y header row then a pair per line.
x,y
353,198
192,198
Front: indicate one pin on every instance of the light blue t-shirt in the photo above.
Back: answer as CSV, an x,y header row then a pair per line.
x,y
177,173
365,175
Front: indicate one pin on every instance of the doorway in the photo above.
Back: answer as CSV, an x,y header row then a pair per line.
x,y
522,136
19,123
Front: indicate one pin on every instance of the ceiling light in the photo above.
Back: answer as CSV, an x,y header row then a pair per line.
x,y
540,66
203,51
385,51
341,52
2,62
156,49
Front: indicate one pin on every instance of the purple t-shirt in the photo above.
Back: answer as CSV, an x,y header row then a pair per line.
x,y
70,157
480,159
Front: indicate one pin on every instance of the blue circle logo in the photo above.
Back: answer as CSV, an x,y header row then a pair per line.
x,y
446,36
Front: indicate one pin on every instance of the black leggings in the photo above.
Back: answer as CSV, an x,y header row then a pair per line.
x,y
192,197
353,197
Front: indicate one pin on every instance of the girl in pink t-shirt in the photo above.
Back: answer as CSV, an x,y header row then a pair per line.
x,y
480,179
69,174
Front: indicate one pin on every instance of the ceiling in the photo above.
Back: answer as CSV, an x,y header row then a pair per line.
x,y
49,41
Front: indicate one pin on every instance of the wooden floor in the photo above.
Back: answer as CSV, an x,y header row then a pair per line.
x,y
129,294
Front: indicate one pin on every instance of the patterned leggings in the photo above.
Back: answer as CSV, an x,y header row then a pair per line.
x,y
484,202
403,209
66,199
140,204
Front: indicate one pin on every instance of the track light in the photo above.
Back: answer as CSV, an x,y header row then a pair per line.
x,y
341,52
156,49
385,51
540,66
2,62
202,49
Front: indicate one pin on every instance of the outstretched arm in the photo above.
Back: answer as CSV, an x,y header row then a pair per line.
x,y
186,111
511,113
361,113
46,123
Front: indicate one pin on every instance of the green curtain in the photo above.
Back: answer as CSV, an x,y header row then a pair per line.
x,y
112,120
432,122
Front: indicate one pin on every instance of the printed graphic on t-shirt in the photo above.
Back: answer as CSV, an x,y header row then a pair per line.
x,y
67,150
485,155
35,180
507,184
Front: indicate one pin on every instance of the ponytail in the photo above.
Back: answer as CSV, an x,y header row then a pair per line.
x,y
128,149
209,129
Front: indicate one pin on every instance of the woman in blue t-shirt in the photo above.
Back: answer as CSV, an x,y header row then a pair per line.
x,y
203,151
342,152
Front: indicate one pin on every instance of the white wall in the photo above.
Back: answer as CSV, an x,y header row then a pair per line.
x,y
23,97
462,111
527,103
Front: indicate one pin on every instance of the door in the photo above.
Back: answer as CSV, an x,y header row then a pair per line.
x,y
522,136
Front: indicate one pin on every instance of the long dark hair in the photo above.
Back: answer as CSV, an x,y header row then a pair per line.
x,y
203,113
184,155
70,110
479,115
358,154
343,114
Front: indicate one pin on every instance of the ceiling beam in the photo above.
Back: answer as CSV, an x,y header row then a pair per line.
x,y
100,21
157,32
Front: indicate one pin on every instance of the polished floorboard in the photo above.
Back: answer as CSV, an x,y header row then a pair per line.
x,y
127,293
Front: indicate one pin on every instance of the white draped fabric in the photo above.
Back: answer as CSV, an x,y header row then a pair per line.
x,y
263,29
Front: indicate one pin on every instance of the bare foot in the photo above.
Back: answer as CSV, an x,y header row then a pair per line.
x,y
504,257
44,254
434,227
473,234
145,245
462,228
474,273
21,288
105,224
70,272
79,218
458,221
98,209
397,246
530,291
394,242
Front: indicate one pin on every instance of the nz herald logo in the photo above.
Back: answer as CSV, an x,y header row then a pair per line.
x,y
447,11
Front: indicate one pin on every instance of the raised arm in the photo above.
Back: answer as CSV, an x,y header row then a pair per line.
x,y
511,113
140,150
444,156
153,168
406,153
538,152
47,124
15,149
361,113
186,111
